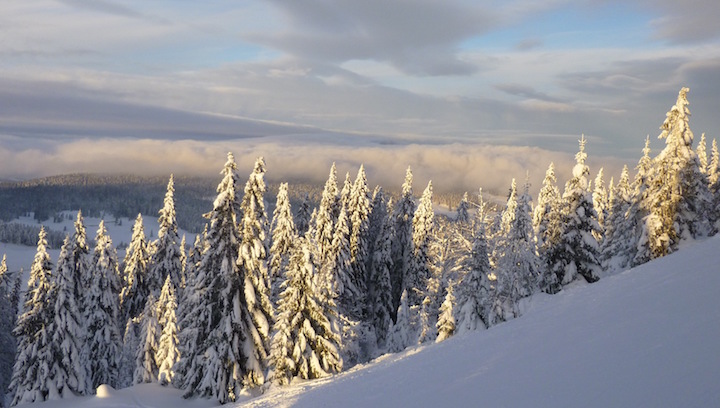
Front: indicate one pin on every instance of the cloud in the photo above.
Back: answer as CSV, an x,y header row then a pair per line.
x,y
525,91
417,37
103,6
529,44
452,167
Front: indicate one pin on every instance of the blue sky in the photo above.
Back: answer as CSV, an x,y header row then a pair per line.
x,y
324,76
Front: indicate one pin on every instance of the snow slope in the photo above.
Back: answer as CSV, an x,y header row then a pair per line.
x,y
648,337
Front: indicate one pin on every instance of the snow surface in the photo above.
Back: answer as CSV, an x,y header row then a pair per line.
x,y
20,256
647,337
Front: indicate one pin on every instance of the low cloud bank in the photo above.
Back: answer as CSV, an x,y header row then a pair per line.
x,y
453,167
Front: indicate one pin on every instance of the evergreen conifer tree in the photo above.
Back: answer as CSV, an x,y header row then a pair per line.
x,y
302,218
600,203
28,382
67,369
304,344
701,152
345,193
678,198
166,257
402,250
473,291
104,339
253,264
189,313
577,252
131,343
714,166
227,357
7,341
146,369
135,274
167,352
283,237
326,217
401,333
618,246
446,320
463,215
639,209
379,289
419,271
517,258
359,214
80,254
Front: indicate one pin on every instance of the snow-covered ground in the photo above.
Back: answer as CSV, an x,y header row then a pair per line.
x,y
120,230
647,337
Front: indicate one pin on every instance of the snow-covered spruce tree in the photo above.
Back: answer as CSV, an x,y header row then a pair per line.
x,y
462,215
7,323
419,268
713,173
446,320
600,203
336,275
146,369
131,343
548,227
517,259
426,328
326,217
302,218
678,198
67,370
29,378
165,259
577,252
474,289
402,249
638,211
135,286
8,316
548,198
167,353
379,289
401,333
283,237
714,166
618,246
104,338
80,263
253,264
701,152
378,218
227,358
345,194
359,215
183,262
304,344
189,313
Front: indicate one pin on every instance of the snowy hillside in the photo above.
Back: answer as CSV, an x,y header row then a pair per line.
x,y
647,337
